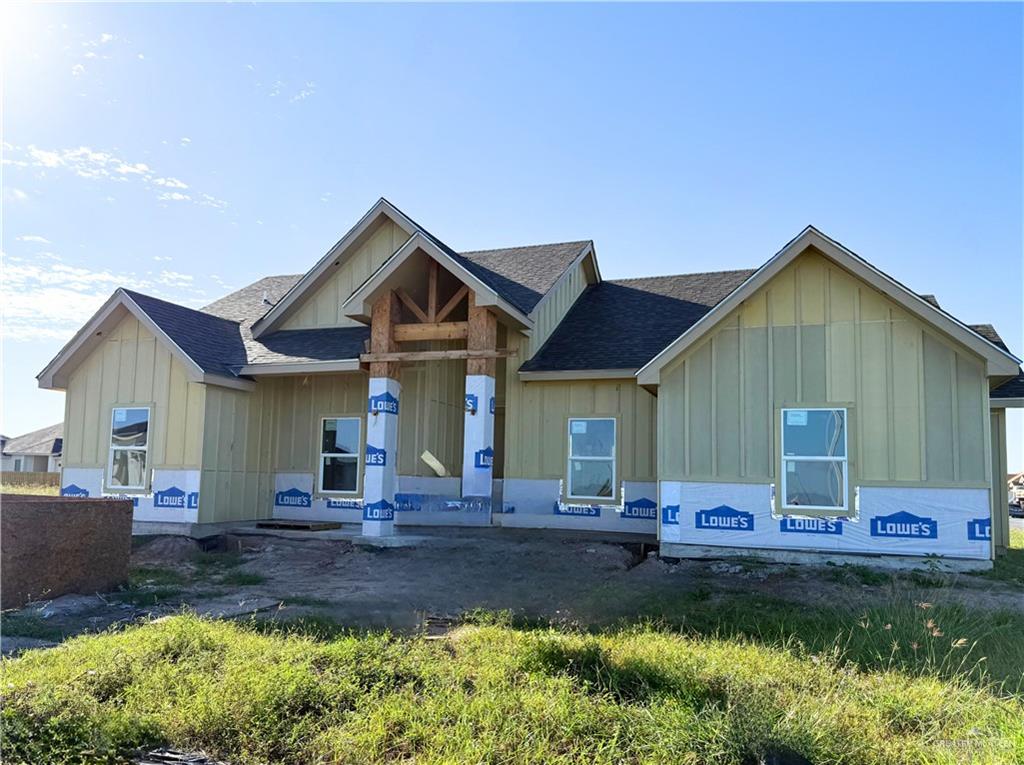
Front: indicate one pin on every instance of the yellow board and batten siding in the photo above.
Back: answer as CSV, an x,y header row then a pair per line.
x,y
816,334
323,307
132,368
536,440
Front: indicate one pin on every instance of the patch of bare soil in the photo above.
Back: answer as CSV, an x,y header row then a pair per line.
x,y
549,576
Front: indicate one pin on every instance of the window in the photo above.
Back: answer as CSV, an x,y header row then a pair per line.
x,y
592,458
17,464
814,460
129,442
339,454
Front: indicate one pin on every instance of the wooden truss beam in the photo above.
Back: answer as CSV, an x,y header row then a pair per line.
x,y
398,356
409,303
460,293
447,330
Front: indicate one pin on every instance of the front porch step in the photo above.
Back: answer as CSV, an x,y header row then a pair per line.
x,y
299,525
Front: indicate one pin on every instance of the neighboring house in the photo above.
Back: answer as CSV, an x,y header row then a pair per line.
x,y
811,404
35,452
1015,488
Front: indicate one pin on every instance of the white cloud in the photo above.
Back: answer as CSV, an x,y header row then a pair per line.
x,y
186,141
173,196
141,57
93,164
77,69
308,90
12,194
170,183
174,279
52,300
162,258
33,238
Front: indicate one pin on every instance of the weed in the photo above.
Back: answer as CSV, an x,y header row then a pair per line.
x,y
29,625
252,694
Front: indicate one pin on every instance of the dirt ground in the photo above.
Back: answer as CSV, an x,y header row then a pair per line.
x,y
553,576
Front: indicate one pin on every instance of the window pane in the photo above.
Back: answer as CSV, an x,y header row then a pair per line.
x,y
590,478
128,468
814,483
814,433
340,474
130,427
340,436
592,438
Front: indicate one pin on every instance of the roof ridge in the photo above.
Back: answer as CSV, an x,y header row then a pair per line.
x,y
677,276
131,293
527,246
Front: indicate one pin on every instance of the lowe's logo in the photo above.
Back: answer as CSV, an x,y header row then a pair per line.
x,y
292,498
724,518
375,456
979,529
811,526
471,402
72,490
643,508
670,515
172,497
904,525
384,403
491,405
484,458
333,503
586,511
381,510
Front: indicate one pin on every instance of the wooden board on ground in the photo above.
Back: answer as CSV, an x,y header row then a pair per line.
x,y
299,525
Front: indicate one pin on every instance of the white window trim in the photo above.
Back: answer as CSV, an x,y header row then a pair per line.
x,y
111,449
357,457
613,458
844,460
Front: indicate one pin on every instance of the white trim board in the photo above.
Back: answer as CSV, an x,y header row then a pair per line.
x,y
998,361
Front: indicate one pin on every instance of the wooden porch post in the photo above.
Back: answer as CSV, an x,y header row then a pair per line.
x,y
478,423
380,477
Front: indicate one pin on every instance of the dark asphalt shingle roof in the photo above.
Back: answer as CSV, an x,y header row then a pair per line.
x,y
214,343
1012,388
286,346
39,442
623,324
522,275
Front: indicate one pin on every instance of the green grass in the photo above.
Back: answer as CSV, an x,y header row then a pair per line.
x,y
143,576
147,596
488,694
29,625
941,638
1010,567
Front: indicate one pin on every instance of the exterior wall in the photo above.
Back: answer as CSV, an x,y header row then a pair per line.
x,y
815,334
536,430
323,307
918,423
432,415
237,480
133,368
1000,490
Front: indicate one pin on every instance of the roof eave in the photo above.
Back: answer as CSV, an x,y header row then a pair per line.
x,y
997,360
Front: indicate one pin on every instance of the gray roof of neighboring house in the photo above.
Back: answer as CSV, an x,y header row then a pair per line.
x,y
623,324
39,442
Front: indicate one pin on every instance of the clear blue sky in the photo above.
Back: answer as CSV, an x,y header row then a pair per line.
x,y
190,149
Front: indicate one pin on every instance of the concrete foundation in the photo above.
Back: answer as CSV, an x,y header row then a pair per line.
x,y
893,562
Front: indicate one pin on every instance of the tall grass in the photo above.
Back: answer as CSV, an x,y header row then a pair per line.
x,y
487,694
